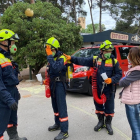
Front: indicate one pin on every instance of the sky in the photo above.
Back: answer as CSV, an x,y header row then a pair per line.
x,y
107,20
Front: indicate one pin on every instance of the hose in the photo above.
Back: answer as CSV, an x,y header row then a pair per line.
x,y
102,98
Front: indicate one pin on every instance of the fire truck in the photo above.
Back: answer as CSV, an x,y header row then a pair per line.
x,y
81,81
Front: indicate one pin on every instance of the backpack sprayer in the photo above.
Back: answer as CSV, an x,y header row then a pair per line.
x,y
69,73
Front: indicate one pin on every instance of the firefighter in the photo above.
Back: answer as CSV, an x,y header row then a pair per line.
x,y
9,94
105,63
57,72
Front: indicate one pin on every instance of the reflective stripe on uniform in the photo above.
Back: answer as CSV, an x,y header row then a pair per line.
x,y
108,65
4,61
108,62
99,63
6,64
56,114
112,115
2,138
10,125
101,112
63,119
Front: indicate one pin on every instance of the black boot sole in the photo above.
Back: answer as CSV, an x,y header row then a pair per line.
x,y
51,130
99,128
62,138
109,133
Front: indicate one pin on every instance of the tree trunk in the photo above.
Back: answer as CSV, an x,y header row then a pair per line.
x,y
68,16
13,1
90,6
32,1
36,69
100,22
75,12
138,28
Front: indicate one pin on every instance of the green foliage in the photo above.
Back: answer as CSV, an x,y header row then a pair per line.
x,y
126,27
126,13
89,28
69,8
34,32
77,8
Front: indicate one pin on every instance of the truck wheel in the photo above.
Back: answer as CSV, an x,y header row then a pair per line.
x,y
90,90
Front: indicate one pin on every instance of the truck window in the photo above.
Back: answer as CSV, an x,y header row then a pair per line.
x,y
114,52
124,52
87,52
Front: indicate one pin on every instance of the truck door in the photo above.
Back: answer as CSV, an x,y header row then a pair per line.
x,y
123,53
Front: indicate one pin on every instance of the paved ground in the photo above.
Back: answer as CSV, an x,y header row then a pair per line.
x,y
35,115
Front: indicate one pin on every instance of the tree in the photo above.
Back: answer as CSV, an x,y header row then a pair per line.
x,y
126,27
77,8
70,8
90,3
126,12
34,32
103,5
89,28
4,4
32,1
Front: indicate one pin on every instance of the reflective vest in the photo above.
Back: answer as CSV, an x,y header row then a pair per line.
x,y
4,61
62,56
9,74
108,62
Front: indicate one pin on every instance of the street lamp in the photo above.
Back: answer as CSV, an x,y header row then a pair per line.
x,y
29,13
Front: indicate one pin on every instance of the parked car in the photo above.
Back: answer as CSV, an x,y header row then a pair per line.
x,y
81,81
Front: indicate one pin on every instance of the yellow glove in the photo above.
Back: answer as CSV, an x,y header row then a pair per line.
x,y
68,57
48,50
108,81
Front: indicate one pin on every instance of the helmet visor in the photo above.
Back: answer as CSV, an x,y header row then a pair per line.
x,y
15,37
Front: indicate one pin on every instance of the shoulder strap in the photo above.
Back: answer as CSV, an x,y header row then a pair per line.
x,y
113,62
59,56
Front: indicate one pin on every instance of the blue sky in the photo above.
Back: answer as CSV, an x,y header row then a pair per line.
x,y
107,20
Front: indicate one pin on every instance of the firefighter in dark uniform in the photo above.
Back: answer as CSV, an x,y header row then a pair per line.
x,y
57,72
105,63
9,94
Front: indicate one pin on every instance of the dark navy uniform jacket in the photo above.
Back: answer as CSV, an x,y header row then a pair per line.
x,y
58,66
8,77
103,66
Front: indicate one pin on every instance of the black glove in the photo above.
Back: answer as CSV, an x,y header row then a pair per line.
x,y
14,106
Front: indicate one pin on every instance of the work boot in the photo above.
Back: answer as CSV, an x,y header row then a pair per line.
x,y
62,136
13,134
54,127
108,125
100,123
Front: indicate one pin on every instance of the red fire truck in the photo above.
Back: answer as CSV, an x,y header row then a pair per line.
x,y
81,81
